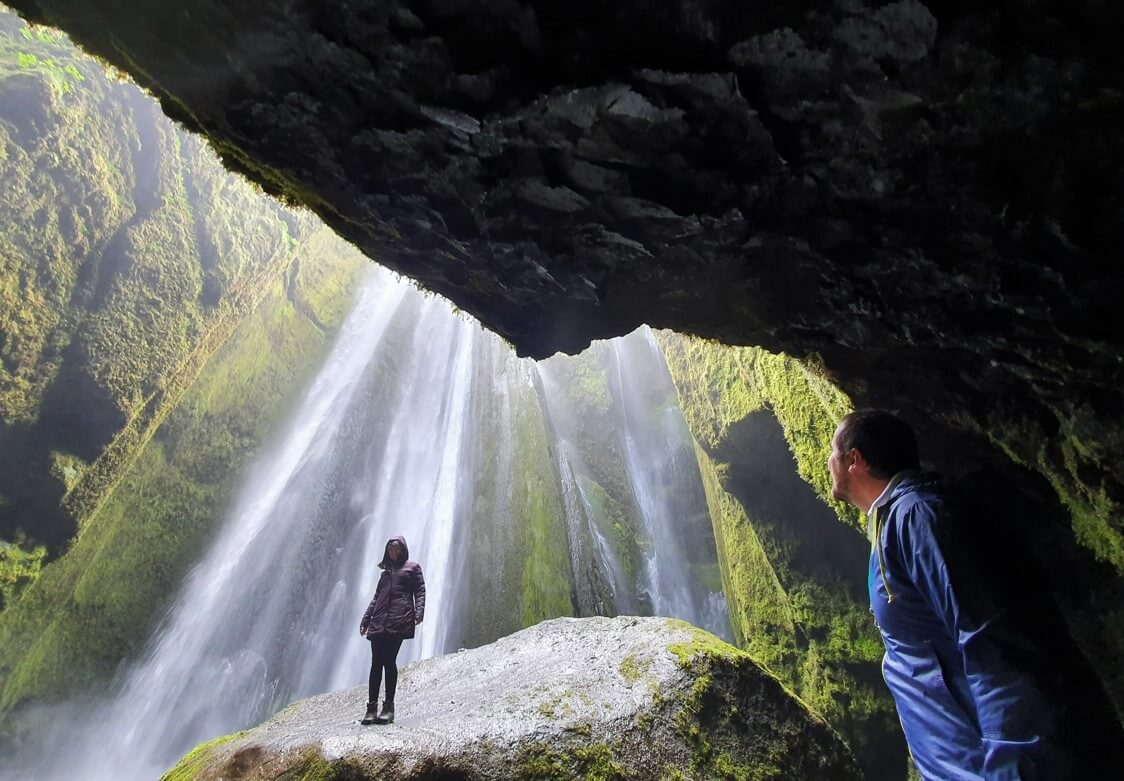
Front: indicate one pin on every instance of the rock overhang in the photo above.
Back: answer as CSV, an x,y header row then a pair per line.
x,y
927,195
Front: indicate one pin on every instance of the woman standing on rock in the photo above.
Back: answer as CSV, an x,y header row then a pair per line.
x,y
397,607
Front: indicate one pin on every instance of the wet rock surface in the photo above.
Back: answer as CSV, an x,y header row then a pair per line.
x,y
622,698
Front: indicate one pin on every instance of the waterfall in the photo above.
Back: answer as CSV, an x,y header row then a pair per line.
x,y
409,428
637,422
271,612
587,541
664,476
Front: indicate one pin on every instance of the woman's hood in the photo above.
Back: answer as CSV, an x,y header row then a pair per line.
x,y
386,563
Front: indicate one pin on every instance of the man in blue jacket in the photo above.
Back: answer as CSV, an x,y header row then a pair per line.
x,y
968,706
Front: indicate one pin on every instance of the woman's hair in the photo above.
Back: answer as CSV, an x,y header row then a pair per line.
x,y
886,441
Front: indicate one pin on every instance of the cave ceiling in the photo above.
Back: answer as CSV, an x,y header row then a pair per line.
x,y
927,195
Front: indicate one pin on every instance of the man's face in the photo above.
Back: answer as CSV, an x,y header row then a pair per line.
x,y
395,551
840,477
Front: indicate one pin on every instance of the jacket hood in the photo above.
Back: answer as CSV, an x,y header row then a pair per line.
x,y
386,563
914,480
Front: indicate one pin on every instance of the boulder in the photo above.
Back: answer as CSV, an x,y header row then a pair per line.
x,y
596,698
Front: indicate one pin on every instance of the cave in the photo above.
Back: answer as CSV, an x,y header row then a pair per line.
x,y
921,200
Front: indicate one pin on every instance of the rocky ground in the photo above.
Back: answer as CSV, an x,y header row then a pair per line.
x,y
621,698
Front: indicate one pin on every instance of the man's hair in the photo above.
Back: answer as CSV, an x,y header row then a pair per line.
x,y
886,441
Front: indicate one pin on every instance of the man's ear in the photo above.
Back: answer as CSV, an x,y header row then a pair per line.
x,y
857,460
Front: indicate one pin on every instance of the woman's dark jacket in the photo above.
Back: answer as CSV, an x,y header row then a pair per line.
x,y
399,601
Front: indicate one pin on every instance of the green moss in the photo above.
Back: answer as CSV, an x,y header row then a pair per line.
x,y
709,575
759,609
94,606
615,526
801,615
196,760
302,765
585,381
62,182
593,762
1077,473
18,568
556,707
1080,474
128,250
314,768
633,668
582,730
540,520
589,423
719,386
732,737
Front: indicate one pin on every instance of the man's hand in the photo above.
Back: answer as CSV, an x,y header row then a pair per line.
x,y
417,621
362,631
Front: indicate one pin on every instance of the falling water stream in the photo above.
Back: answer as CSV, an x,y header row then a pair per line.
x,y
665,479
381,444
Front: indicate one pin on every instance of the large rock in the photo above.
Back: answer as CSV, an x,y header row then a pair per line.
x,y
621,698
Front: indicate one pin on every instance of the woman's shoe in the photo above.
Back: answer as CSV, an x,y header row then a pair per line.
x,y
386,716
370,717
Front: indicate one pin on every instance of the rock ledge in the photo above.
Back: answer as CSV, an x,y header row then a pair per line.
x,y
620,698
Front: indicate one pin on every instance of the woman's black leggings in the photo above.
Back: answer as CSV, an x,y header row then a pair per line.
x,y
384,653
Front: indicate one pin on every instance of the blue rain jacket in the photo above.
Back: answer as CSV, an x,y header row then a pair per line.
x,y
966,711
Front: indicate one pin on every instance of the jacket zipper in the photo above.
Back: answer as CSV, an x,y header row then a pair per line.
x,y
876,541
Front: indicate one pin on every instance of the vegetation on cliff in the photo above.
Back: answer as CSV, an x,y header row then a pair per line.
x,y
792,559
719,386
96,604
577,392
616,411
156,316
545,583
127,256
517,570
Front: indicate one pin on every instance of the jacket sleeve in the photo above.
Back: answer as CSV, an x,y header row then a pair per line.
x,y
371,607
1012,712
419,597
367,615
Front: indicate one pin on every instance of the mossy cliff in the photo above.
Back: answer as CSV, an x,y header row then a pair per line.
x,y
550,474
95,605
156,317
127,257
793,560
576,392
616,414
730,395
624,699
517,570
